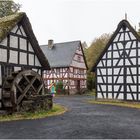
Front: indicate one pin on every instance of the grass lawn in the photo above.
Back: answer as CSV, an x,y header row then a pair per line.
x,y
129,104
56,110
91,93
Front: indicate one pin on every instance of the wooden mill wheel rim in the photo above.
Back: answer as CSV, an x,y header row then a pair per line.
x,y
32,83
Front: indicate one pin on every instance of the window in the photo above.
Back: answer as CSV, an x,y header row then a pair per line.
x,y
78,71
23,44
82,72
74,71
31,59
7,70
13,57
57,71
13,41
78,58
23,58
3,55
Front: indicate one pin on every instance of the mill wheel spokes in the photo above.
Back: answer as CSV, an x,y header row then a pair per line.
x,y
21,86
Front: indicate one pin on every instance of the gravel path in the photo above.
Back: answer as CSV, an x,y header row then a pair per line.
x,y
82,120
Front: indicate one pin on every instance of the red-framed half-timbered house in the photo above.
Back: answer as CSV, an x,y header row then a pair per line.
x,y
68,64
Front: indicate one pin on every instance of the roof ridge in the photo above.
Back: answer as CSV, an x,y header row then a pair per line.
x,y
10,17
8,22
63,42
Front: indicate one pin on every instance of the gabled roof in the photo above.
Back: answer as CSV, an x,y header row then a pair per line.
x,y
9,22
61,54
122,24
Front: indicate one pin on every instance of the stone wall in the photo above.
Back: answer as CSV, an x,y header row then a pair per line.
x,y
38,102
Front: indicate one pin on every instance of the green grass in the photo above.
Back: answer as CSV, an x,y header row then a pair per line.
x,y
116,103
91,93
56,110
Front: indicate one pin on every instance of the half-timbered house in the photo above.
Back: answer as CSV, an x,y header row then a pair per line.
x,y
118,68
19,49
68,64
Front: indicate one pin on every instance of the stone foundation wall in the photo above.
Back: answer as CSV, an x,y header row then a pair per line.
x,y
38,102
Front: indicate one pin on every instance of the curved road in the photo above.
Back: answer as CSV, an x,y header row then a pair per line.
x,y
82,120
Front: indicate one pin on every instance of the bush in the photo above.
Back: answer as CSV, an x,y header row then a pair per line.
x,y
89,84
59,87
90,81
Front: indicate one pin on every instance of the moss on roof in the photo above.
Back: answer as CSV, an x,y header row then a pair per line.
x,y
8,22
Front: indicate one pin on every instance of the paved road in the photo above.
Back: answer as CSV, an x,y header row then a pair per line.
x,y
83,120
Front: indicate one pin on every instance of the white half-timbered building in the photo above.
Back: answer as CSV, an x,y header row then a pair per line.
x,y
118,68
67,62
19,49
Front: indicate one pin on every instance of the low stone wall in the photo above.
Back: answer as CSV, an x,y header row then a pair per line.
x,y
37,102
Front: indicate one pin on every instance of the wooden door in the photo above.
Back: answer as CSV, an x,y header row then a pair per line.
x,y
78,85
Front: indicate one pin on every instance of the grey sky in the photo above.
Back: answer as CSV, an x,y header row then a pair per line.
x,y
68,20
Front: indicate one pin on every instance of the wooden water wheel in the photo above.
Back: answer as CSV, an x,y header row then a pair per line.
x,y
19,87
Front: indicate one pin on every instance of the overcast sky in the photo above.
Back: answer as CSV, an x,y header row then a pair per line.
x,y
85,20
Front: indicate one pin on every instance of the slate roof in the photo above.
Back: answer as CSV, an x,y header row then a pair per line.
x,y
9,22
61,54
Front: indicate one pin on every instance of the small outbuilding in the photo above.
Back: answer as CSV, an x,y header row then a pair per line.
x,y
118,68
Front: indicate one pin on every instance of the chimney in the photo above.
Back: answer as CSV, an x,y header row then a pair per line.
x,y
125,16
50,44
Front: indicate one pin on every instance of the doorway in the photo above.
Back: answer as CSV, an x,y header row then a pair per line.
x,y
78,85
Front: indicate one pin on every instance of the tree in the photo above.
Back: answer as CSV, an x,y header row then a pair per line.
x,y
94,51
92,54
8,7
